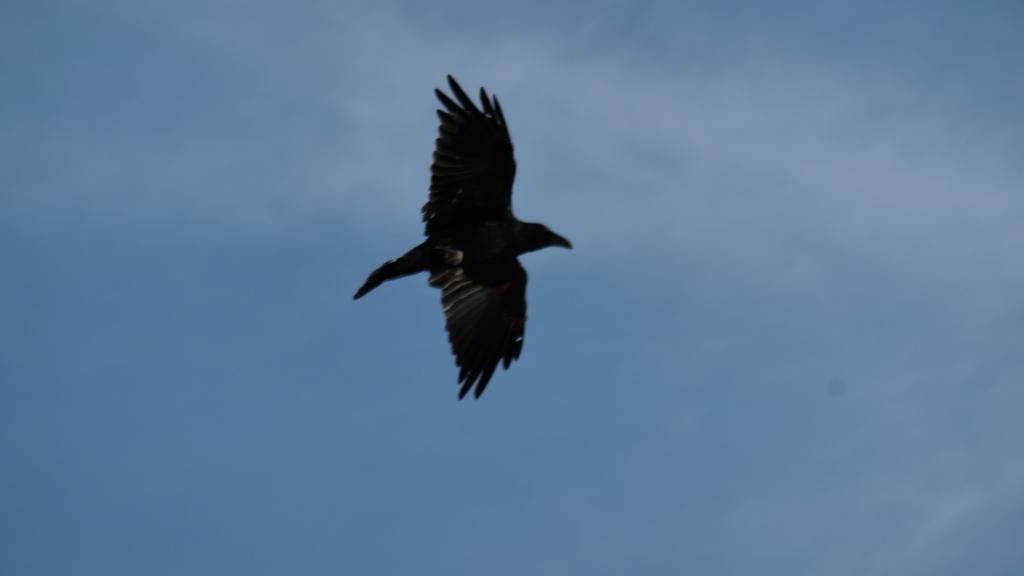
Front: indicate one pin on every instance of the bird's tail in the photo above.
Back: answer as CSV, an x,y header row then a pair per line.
x,y
412,262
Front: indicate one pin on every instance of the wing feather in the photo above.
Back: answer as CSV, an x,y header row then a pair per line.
x,y
473,164
485,320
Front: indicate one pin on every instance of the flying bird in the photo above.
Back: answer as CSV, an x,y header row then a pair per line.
x,y
473,239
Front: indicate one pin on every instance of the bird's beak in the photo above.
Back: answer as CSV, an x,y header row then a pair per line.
x,y
557,240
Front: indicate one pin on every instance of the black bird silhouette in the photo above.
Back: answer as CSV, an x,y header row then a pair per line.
x,y
473,239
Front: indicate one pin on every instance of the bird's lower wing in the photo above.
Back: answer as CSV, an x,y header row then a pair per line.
x,y
485,321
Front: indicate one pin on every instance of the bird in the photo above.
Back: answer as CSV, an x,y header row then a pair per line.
x,y
473,240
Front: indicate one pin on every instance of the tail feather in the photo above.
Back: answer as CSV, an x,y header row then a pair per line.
x,y
376,279
411,262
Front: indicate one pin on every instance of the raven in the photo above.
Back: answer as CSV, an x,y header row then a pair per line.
x,y
473,239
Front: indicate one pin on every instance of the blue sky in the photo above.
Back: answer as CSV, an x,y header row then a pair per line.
x,y
788,340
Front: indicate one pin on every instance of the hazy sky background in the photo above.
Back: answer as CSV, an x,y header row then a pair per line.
x,y
789,340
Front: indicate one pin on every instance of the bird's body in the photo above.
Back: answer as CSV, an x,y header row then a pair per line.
x,y
473,239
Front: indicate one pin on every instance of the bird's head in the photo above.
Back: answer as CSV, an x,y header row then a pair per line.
x,y
537,236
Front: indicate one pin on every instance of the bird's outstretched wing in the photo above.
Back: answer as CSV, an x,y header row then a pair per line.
x,y
473,168
485,318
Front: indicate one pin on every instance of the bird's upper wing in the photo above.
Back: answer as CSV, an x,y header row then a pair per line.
x,y
473,168
485,318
